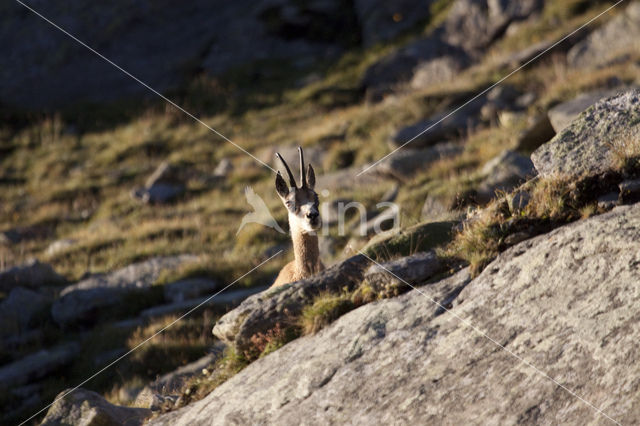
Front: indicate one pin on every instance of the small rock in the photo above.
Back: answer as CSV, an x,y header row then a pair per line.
x,y
474,24
438,129
189,289
424,62
433,211
503,173
224,168
388,278
513,60
153,400
563,114
525,100
32,274
619,36
59,246
608,201
537,132
406,163
584,147
630,191
84,407
171,381
437,71
164,185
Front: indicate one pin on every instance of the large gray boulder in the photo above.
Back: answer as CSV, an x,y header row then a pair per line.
x,y
562,306
32,274
85,407
620,36
81,301
585,147
261,312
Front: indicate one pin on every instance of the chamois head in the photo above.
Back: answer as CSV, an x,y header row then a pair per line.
x,y
301,202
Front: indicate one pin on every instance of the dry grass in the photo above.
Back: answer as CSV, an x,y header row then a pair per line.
x,y
325,309
626,151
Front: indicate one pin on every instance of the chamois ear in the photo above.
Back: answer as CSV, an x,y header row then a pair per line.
x,y
311,177
281,186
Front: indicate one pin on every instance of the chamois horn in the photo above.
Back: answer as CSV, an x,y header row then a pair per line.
x,y
303,174
292,181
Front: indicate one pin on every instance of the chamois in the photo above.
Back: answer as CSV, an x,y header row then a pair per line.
x,y
304,220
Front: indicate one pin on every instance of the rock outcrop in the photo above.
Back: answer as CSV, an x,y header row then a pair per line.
x,y
618,37
565,113
588,145
262,312
82,301
560,306
84,407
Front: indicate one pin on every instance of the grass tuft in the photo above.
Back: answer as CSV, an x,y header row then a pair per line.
x,y
325,309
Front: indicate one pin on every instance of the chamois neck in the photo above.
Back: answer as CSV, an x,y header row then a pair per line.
x,y
306,252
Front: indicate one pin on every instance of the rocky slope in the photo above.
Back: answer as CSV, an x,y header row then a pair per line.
x,y
552,320
517,213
